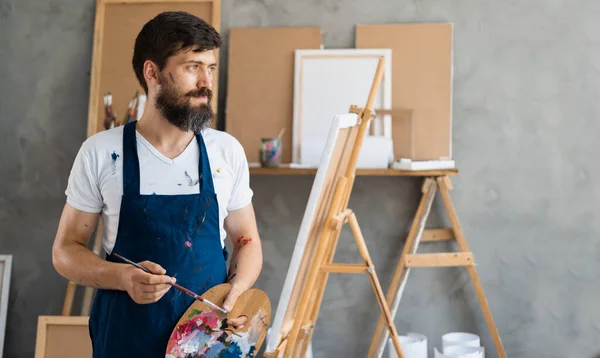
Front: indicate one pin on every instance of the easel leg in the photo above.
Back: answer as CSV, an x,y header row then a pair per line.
x,y
362,248
323,276
305,307
318,298
68,303
444,184
401,274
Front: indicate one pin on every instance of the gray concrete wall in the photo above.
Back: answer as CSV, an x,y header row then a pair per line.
x,y
525,134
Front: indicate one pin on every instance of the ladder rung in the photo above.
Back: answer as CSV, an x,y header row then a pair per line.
x,y
344,268
439,259
437,235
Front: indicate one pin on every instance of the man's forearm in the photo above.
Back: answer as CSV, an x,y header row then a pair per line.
x,y
80,265
246,263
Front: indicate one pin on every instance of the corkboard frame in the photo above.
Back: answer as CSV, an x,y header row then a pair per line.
x,y
97,75
45,328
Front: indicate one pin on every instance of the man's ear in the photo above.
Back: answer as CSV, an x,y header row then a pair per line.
x,y
151,74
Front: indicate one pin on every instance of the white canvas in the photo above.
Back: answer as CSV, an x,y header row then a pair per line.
x,y
338,122
328,82
5,270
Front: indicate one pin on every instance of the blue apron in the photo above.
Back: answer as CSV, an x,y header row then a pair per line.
x,y
178,232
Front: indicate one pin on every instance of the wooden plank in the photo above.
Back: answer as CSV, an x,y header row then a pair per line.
x,y
287,170
432,235
445,259
260,84
344,268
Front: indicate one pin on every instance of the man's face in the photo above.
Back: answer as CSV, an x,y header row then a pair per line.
x,y
185,93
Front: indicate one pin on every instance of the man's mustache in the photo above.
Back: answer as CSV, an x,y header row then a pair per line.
x,y
200,92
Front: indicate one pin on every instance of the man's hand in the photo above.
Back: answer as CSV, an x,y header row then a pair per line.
x,y
229,303
143,287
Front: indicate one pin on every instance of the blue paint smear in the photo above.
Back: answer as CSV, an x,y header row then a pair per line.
x,y
114,156
197,342
214,350
232,352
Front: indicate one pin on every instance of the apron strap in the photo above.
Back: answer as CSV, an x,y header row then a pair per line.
x,y
206,182
131,164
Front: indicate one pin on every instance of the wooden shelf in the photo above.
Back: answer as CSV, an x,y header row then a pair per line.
x,y
287,170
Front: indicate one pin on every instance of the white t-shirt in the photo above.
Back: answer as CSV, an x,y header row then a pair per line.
x,y
96,180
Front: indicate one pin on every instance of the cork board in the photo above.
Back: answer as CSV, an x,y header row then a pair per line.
x,y
260,85
118,23
63,337
422,60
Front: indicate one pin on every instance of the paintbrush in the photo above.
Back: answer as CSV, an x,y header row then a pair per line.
x,y
180,288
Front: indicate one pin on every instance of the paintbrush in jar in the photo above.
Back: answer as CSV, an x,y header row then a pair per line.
x,y
179,287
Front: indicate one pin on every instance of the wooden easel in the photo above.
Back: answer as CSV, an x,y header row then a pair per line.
x,y
433,181
309,286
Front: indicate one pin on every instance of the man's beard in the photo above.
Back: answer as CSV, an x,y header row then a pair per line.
x,y
177,109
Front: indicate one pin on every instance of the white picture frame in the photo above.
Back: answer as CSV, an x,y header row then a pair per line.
x,y
322,177
5,276
328,82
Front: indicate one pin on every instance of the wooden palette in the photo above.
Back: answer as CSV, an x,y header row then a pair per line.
x,y
202,330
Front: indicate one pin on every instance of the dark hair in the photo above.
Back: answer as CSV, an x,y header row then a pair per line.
x,y
168,33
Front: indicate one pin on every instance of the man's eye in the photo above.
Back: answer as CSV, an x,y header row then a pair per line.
x,y
193,68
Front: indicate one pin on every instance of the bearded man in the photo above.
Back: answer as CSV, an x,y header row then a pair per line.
x,y
169,190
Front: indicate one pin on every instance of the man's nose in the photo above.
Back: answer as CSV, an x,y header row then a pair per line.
x,y
204,79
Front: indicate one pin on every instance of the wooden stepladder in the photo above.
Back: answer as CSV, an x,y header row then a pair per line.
x,y
434,181
326,214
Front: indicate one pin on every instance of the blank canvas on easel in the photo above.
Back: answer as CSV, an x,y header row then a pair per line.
x,y
328,82
336,152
